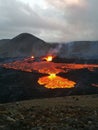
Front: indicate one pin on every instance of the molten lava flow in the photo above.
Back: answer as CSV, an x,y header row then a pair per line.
x,y
52,76
49,58
52,81
47,67
51,68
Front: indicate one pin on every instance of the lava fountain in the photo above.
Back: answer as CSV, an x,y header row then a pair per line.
x,y
32,57
48,58
52,81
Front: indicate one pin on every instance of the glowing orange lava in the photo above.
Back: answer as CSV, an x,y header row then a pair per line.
x,y
49,58
32,57
52,76
52,81
47,67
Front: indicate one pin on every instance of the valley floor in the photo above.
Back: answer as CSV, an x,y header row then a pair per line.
x,y
60,113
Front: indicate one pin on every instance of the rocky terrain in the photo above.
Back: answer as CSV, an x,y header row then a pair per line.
x,y
66,113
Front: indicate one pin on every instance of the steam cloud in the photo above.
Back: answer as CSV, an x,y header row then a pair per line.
x,y
55,51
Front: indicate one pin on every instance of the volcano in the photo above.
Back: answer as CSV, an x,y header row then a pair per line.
x,y
23,45
31,68
26,44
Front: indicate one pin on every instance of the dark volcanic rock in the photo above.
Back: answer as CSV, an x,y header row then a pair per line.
x,y
16,85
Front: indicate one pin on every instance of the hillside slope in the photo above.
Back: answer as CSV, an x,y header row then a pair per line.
x,y
24,45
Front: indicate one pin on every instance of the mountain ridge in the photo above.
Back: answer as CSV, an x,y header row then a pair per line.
x,y
26,44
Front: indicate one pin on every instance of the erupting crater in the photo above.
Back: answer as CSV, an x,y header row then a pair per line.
x,y
48,58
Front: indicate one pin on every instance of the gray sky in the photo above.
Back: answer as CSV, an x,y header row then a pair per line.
x,y
51,20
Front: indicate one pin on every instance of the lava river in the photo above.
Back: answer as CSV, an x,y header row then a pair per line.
x,y
52,81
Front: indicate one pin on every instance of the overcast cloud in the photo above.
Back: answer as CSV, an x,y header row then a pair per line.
x,y
51,20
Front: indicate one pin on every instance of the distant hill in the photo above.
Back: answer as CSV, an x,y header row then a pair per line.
x,y
79,50
3,41
23,45
26,45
